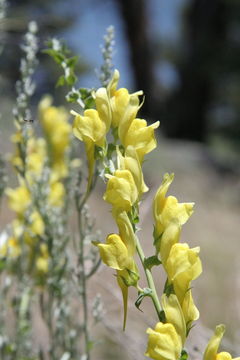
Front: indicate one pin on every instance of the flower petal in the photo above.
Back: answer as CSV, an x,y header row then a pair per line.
x,y
164,343
114,253
121,190
174,315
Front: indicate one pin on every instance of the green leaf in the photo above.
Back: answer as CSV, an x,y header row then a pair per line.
x,y
85,92
136,219
56,55
184,355
61,81
141,296
151,261
71,79
168,289
162,316
72,97
90,345
89,103
134,216
115,134
98,152
111,148
10,348
72,61
86,96
2,264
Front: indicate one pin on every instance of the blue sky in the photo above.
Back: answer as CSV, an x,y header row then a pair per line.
x,y
95,16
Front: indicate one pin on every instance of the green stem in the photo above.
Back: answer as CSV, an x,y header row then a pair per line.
x,y
150,280
82,276
82,280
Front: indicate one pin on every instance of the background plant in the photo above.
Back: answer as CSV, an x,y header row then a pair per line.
x,y
42,263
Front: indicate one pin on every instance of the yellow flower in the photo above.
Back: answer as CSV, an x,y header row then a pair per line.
x,y
42,261
42,264
103,107
36,155
30,239
121,190
126,231
34,158
183,265
131,162
213,345
189,309
169,237
17,161
12,248
50,115
128,117
115,255
174,315
90,129
225,356
18,227
54,121
164,343
141,137
119,103
167,209
57,193
113,83
120,100
18,199
37,224
17,138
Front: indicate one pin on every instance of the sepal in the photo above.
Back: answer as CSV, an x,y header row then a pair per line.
x,y
141,295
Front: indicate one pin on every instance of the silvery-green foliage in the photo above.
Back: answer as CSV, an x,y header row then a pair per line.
x,y
98,310
107,50
25,86
3,176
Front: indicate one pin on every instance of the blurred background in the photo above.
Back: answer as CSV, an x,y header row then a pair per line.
x,y
185,56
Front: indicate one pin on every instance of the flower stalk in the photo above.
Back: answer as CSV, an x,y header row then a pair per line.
x,y
82,278
150,279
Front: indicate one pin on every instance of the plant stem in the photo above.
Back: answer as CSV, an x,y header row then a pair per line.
x,y
82,274
150,280
82,280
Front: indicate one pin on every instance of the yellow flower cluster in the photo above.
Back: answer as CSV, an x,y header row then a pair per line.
x,y
182,265
116,109
31,161
57,131
28,228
